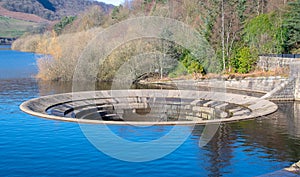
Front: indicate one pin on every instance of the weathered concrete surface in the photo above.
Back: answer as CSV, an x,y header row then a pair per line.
x,y
295,74
281,173
270,62
292,171
251,107
277,88
253,84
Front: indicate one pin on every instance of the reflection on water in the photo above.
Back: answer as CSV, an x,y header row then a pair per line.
x,y
276,136
294,122
5,47
52,87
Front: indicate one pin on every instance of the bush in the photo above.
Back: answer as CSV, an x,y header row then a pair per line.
x,y
179,70
244,60
59,27
27,43
190,62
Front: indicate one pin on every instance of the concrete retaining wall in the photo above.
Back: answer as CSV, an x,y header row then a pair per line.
x,y
260,84
295,73
270,62
288,89
277,88
286,92
282,88
257,84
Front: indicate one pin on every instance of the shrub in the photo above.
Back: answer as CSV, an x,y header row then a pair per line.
x,y
59,27
244,60
190,62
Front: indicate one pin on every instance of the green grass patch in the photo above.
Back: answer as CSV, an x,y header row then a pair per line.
x,y
10,27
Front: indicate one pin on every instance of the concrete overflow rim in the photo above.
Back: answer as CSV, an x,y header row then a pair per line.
x,y
259,107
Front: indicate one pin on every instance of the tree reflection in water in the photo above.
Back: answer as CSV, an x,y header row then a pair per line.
x,y
275,137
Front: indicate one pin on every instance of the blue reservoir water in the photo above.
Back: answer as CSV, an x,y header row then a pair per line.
x,y
31,146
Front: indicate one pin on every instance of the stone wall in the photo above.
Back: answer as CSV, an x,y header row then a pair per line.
x,y
295,74
271,62
255,84
290,90
278,88
273,88
258,84
285,92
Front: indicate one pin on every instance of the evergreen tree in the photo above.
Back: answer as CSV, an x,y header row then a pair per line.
x,y
265,34
292,24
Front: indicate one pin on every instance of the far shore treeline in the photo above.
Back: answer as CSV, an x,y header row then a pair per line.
x,y
238,30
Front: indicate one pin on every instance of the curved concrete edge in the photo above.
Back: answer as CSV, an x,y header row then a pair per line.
x,y
281,173
292,171
259,107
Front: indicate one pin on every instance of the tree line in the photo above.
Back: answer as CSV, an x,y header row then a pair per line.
x,y
238,30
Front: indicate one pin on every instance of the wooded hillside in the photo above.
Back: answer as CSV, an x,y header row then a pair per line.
x,y
52,9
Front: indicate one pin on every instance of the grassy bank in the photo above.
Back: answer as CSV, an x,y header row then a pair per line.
x,y
11,28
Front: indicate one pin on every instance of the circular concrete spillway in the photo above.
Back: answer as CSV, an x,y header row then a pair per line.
x,y
148,107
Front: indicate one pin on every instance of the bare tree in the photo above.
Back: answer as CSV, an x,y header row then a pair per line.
x,y
223,35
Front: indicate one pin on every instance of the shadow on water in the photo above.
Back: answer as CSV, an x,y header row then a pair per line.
x,y
54,87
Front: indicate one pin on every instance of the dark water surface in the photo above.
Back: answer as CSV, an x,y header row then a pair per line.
x,y
31,146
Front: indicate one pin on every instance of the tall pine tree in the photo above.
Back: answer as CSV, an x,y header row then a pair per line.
x,y
292,25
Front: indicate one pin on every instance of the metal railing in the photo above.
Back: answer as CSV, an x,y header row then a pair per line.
x,y
281,55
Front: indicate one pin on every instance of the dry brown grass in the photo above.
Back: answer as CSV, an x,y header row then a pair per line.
x,y
61,52
27,43
65,51
283,72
